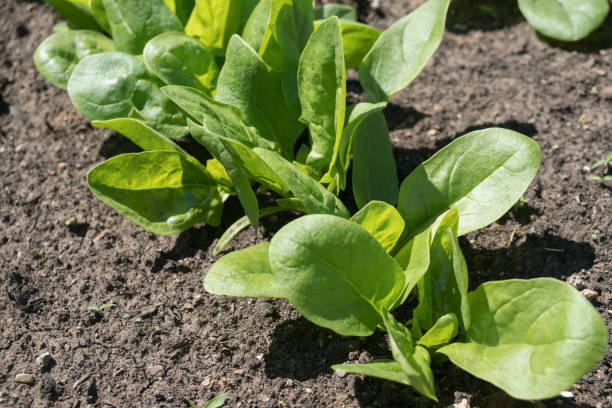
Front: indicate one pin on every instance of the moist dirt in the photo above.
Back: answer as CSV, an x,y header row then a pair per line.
x,y
167,341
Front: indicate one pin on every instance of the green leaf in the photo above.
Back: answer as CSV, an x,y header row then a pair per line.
x,y
140,134
441,333
96,8
257,23
385,369
414,361
382,221
215,21
182,9
247,83
134,22
162,191
222,151
57,55
178,59
567,20
220,118
357,40
335,273
443,288
216,402
482,174
343,146
402,51
76,12
290,25
374,170
312,195
532,338
322,91
339,10
114,85
244,273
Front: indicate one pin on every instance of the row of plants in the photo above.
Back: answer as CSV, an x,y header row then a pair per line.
x,y
262,86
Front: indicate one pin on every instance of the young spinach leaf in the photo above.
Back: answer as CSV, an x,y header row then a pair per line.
x,y
163,191
178,59
568,20
114,85
215,21
374,169
357,40
383,368
96,8
339,10
382,221
335,273
322,91
482,183
445,329
57,55
182,9
76,12
134,22
402,51
257,24
532,338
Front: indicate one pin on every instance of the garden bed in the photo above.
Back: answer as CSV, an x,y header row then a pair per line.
x,y
167,341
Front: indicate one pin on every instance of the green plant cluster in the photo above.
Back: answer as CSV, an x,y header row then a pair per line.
x,y
262,85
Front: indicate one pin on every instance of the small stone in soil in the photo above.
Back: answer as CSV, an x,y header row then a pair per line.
x,y
589,294
341,373
45,361
24,378
567,394
148,311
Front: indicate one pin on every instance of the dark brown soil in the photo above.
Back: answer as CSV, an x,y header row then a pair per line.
x,y
167,341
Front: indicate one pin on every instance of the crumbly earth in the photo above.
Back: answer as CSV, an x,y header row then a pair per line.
x,y
168,341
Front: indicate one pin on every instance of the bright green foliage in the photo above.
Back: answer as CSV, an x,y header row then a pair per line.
x,y
178,59
134,22
163,191
442,333
374,170
565,20
216,402
482,174
383,222
357,40
402,51
322,90
182,8
215,21
76,12
244,273
96,8
257,24
57,56
385,369
339,283
339,10
532,338
114,85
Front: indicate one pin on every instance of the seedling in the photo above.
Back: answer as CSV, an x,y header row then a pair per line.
x,y
216,402
102,308
604,168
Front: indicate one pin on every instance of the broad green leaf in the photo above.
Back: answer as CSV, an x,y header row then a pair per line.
x,y
96,8
532,338
290,25
76,12
343,146
134,22
247,83
441,333
565,20
322,91
482,174
443,289
57,56
215,21
218,173
339,10
162,191
385,369
216,402
178,59
335,273
219,148
382,221
244,273
182,9
357,40
114,85
312,195
140,134
414,361
402,51
257,23
220,118
374,171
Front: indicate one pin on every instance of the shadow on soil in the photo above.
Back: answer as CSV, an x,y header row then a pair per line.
x,y
485,15
187,245
600,39
400,117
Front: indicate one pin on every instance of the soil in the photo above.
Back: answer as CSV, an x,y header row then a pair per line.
x,y
167,341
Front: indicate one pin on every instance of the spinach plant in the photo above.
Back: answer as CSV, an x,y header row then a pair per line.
x,y
565,20
284,76
532,338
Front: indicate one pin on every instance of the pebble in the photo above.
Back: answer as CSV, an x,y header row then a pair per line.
x,y
308,390
206,382
153,370
567,394
589,294
148,311
24,378
463,404
45,361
